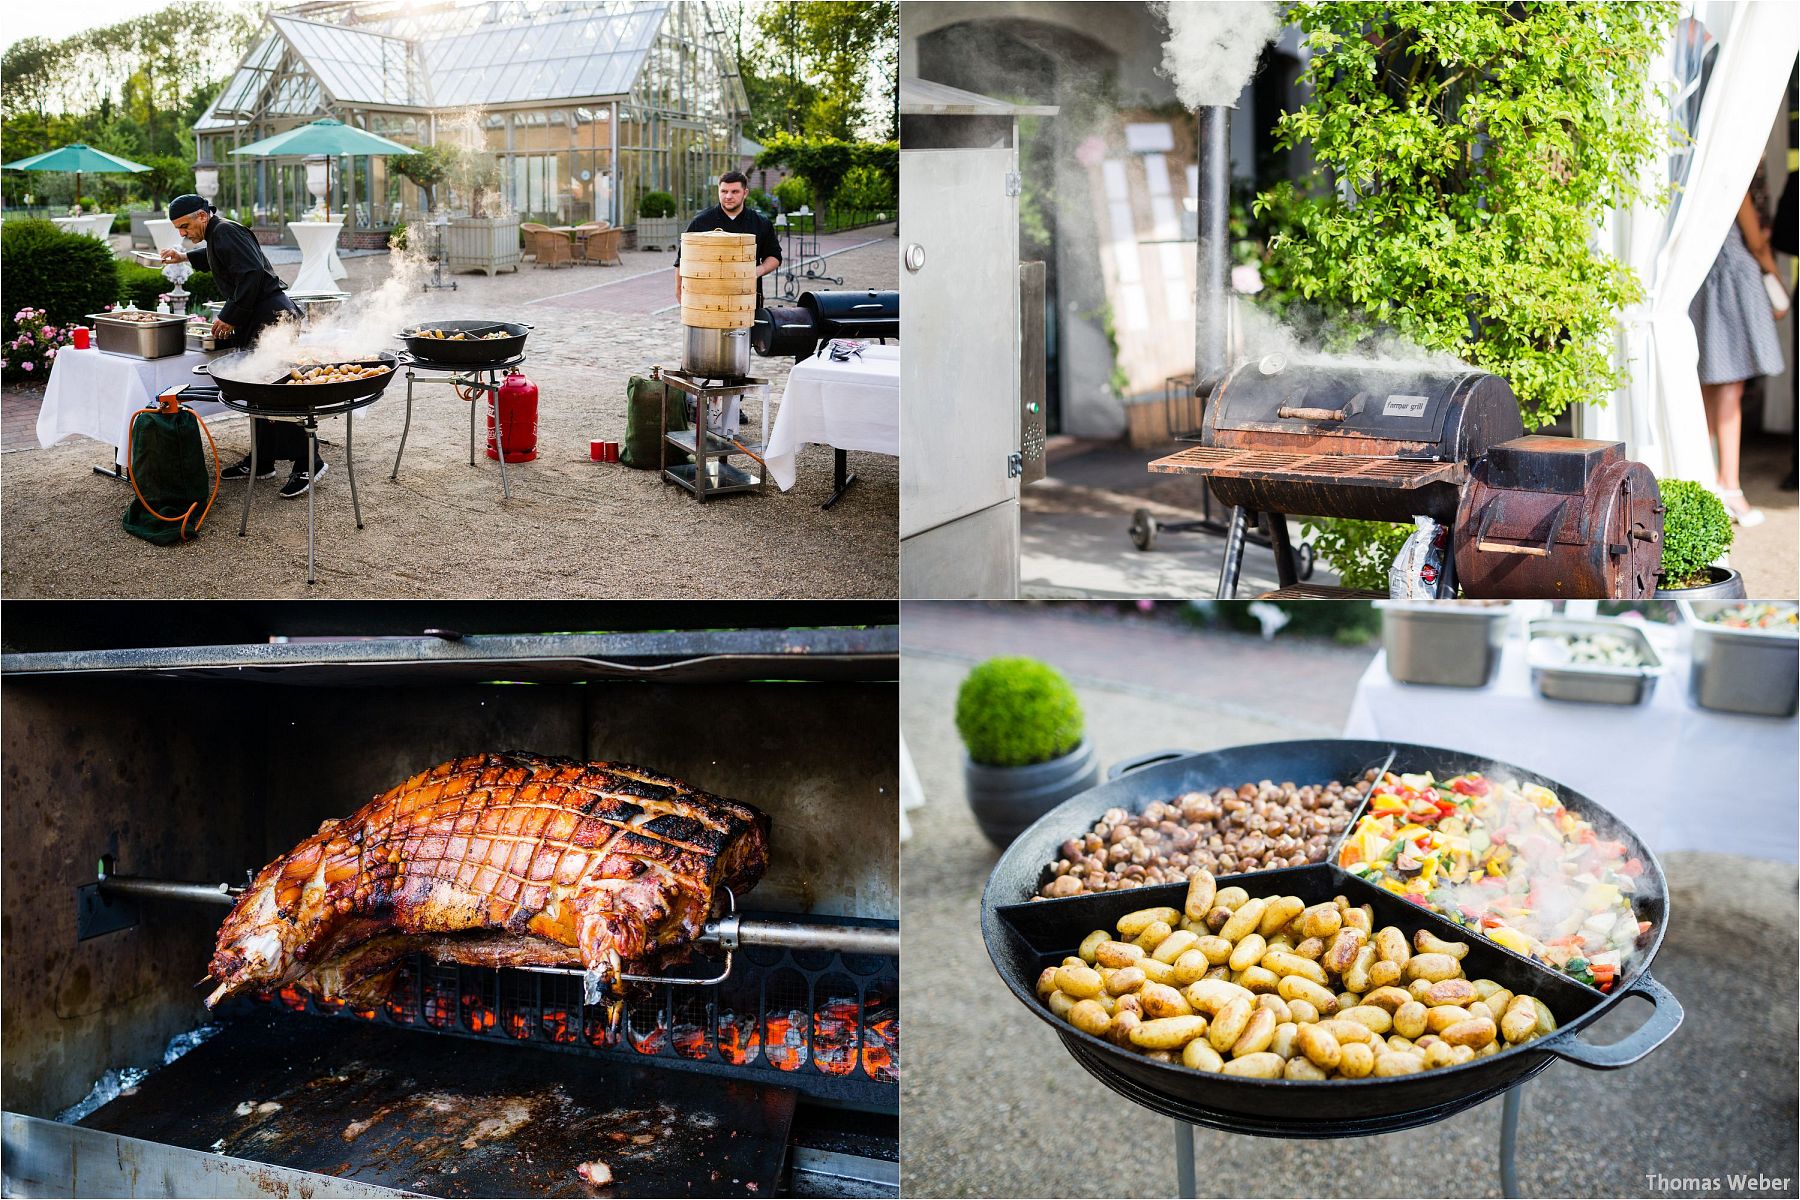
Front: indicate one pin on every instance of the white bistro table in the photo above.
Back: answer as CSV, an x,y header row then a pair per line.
x,y
97,226
852,405
320,266
1683,778
94,393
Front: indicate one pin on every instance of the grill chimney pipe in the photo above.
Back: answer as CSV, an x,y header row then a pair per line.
x,y
1212,250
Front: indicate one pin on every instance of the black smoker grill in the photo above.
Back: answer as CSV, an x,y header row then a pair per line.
x,y
1530,517
797,331
771,1066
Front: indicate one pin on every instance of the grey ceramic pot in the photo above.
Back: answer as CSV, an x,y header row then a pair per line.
x,y
1005,800
1726,584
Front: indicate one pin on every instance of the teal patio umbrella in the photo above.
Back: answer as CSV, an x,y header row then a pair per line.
x,y
327,136
76,157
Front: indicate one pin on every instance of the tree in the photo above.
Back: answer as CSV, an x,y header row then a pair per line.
x,y
827,68
1475,147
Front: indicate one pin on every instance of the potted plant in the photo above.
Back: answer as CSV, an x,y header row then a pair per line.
x,y
1025,750
657,224
1697,533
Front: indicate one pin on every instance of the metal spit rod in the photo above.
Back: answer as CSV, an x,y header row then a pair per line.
x,y
728,932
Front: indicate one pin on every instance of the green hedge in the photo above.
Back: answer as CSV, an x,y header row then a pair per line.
x,y
1697,531
68,275
140,285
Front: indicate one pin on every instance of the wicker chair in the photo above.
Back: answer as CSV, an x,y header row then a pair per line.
x,y
527,228
600,244
549,248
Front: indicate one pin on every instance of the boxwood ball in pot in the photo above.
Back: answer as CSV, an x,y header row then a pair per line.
x,y
1025,746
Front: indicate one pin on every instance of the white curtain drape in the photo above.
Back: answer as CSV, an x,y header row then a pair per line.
x,y
1658,414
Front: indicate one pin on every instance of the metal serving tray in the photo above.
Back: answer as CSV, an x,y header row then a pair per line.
x,y
1750,671
159,338
1590,683
1442,644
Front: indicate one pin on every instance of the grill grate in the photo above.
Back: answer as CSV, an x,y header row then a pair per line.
x,y
1354,470
822,1023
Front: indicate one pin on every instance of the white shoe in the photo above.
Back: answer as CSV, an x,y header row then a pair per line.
x,y
1747,517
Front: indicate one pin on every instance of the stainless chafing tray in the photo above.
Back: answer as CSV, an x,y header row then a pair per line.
x,y
158,337
1750,671
1591,683
1443,643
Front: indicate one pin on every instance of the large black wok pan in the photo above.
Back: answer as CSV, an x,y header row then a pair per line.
x,y
476,352
1025,935
260,391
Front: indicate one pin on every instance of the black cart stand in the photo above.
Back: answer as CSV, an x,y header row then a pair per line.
x,y
310,419
485,378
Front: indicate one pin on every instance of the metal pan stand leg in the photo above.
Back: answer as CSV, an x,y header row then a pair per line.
x,y
1185,1187
1234,555
493,391
395,474
249,484
1509,1143
471,423
841,479
350,462
312,492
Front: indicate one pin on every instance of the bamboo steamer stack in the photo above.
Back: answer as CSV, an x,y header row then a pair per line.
x,y
718,280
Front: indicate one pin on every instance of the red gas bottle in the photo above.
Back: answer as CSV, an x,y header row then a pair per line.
x,y
518,404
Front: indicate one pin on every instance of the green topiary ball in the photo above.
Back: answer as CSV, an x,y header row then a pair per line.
x,y
1012,712
1696,531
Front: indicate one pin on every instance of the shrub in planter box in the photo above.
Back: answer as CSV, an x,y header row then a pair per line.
x,y
1025,744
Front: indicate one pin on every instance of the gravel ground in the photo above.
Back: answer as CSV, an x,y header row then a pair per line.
x,y
573,528
993,1106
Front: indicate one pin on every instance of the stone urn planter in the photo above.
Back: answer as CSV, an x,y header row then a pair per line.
x,y
1726,584
1008,800
487,244
1024,747
658,233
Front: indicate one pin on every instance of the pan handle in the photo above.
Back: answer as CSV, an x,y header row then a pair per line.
x,y
1125,766
204,368
1664,1020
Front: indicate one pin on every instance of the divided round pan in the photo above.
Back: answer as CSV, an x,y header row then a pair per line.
x,y
1024,935
476,352
261,392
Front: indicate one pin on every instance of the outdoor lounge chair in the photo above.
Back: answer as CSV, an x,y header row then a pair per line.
x,y
527,228
551,249
599,243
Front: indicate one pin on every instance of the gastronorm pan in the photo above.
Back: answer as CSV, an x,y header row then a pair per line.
x,y
1751,671
1442,645
1593,683
1024,935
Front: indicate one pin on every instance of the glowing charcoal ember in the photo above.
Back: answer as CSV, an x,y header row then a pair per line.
x,y
785,1043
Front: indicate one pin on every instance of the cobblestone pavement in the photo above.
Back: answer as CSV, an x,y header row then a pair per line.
x,y
994,1106
573,528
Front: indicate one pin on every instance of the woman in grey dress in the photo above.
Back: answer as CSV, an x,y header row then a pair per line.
x,y
1736,330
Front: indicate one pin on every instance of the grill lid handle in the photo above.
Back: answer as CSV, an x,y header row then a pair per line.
x,y
1665,1018
1313,414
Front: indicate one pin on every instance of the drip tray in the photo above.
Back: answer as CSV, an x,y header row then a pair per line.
x,y
449,1117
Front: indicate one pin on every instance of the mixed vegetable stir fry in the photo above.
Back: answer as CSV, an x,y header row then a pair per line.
x,y
1509,862
1777,618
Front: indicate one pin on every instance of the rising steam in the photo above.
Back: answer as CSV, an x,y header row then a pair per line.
x,y
1213,47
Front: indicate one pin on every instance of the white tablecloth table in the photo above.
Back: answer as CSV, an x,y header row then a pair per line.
x,y
851,405
94,393
1682,777
320,266
96,226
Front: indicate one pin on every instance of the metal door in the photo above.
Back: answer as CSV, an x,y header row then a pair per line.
x,y
959,324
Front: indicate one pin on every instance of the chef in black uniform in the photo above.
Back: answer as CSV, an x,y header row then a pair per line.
x,y
255,298
733,216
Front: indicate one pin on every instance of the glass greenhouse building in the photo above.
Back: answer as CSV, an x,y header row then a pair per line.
x,y
574,109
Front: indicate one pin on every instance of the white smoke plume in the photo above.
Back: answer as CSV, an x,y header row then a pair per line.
x,y
1213,47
